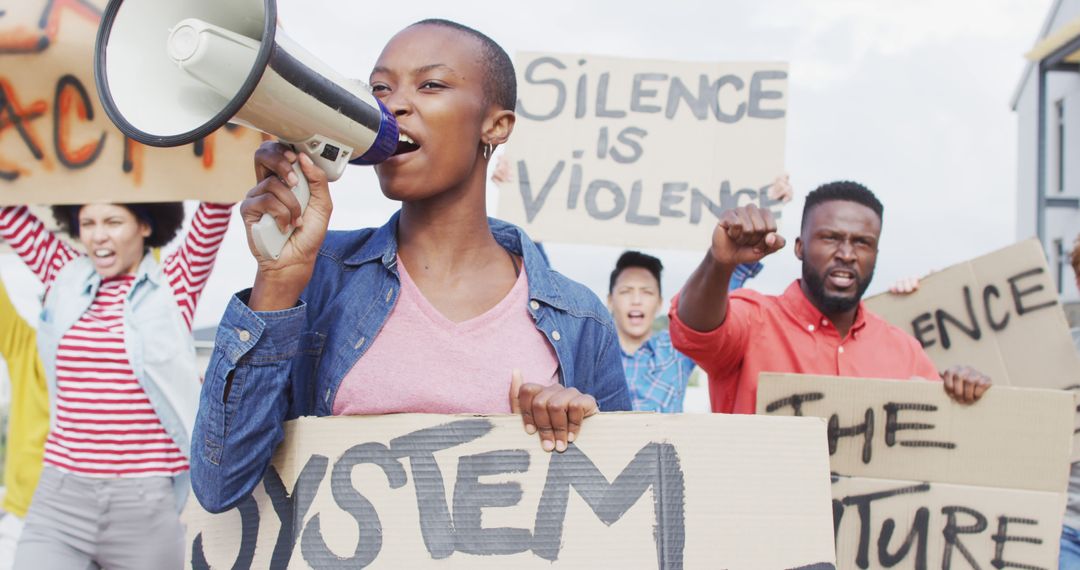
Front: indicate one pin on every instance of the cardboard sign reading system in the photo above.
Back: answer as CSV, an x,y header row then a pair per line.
x,y
430,491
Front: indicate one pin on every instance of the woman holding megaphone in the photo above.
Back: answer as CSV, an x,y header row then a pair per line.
x,y
441,310
115,342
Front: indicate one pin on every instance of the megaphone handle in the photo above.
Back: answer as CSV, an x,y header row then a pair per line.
x,y
268,239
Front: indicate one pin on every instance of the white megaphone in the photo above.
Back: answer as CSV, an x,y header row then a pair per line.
x,y
170,72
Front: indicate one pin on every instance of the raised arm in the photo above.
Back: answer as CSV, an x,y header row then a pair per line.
x,y
743,235
40,250
248,391
279,282
188,268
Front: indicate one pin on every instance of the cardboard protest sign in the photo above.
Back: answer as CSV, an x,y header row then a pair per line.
x,y
58,146
911,524
998,313
641,153
430,491
923,482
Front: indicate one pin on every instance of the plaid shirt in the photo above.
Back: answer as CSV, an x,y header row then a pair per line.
x,y
657,374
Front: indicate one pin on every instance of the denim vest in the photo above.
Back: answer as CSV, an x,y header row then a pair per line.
x,y
159,346
280,365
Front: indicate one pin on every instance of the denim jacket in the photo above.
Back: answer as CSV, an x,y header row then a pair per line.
x,y
159,345
290,363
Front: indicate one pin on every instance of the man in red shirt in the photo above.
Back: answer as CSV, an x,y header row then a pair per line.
x,y
819,325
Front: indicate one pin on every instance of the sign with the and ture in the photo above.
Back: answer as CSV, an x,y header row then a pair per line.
x,y
923,482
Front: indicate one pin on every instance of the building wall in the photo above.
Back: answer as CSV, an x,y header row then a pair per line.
x,y
1026,159
1067,11
1062,225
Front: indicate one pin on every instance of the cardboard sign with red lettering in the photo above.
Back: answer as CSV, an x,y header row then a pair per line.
x,y
635,490
642,153
923,482
56,143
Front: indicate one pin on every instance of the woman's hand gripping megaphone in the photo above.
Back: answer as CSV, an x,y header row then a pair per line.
x,y
279,171
268,235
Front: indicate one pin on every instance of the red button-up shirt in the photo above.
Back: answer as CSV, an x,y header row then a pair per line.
x,y
766,333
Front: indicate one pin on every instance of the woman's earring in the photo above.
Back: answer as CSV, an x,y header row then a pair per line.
x,y
487,150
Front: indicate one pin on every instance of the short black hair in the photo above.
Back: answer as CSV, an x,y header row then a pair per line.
x,y
845,190
500,83
636,259
164,218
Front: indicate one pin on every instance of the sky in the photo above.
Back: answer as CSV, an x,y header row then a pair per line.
x,y
909,97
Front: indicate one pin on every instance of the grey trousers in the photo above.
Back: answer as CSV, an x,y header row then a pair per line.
x,y
77,523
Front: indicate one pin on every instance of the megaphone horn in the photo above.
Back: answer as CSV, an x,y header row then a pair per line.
x,y
171,73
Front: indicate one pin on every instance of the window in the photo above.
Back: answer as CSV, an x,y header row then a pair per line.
x,y
1062,263
1059,144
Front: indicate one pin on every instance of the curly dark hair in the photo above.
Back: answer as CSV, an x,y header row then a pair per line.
x,y
164,218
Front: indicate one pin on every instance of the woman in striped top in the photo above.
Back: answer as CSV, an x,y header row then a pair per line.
x,y
115,339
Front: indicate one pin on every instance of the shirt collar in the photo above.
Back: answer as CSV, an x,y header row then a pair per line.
x,y
809,316
648,347
145,272
382,245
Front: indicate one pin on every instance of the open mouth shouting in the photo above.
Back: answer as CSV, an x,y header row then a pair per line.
x,y
104,257
405,144
635,318
841,279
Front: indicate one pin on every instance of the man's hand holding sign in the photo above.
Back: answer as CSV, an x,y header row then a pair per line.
x,y
965,384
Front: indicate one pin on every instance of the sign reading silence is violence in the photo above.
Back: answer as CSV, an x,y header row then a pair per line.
x,y
56,144
640,153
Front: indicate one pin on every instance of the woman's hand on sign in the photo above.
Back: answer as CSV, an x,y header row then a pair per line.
x,y
279,281
555,412
965,384
745,235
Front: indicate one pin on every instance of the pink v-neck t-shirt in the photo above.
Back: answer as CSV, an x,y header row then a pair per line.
x,y
423,362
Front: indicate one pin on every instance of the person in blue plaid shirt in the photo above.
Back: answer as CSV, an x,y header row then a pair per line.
x,y
656,373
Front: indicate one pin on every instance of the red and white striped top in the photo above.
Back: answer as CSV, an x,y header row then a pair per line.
x,y
105,425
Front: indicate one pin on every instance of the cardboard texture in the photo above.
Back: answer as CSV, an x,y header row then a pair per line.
x,y
58,146
643,153
923,482
635,491
998,313
906,524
